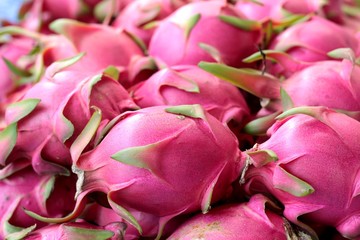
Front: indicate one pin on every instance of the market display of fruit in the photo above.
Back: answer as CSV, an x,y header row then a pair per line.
x,y
180,119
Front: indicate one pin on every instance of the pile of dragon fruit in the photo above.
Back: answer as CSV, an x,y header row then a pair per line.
x,y
180,119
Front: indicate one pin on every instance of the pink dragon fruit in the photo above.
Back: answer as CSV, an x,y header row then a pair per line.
x,y
74,38
263,10
36,15
140,157
47,112
251,221
189,84
351,18
117,48
25,59
205,30
280,11
51,196
106,10
137,14
78,230
316,176
12,52
312,40
153,141
139,69
102,216
333,84
64,9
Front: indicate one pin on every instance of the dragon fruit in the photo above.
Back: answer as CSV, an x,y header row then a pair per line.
x,y
106,10
65,9
316,176
36,15
78,230
306,41
189,84
153,141
46,110
101,145
139,69
350,19
147,147
103,216
265,10
25,59
12,52
137,14
280,11
117,48
251,220
332,84
205,30
51,196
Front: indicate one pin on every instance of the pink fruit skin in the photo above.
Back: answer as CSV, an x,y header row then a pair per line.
x,y
160,142
333,84
63,9
189,84
103,216
232,43
77,230
322,153
138,13
57,47
26,189
12,51
311,41
250,221
265,10
261,12
113,46
62,95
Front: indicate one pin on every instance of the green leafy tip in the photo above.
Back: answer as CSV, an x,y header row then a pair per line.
x,y
18,110
194,111
48,188
289,183
262,157
138,42
182,82
315,112
88,233
212,51
8,137
207,198
60,25
15,69
343,53
250,80
133,156
190,24
243,24
125,214
259,126
64,63
86,134
18,233
286,100
15,30
112,72
269,54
